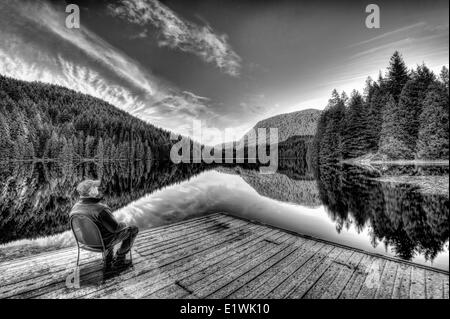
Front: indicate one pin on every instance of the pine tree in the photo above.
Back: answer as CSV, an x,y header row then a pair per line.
x,y
375,106
6,144
28,152
331,142
368,89
53,147
100,152
424,77
66,151
392,139
444,77
410,102
80,146
397,75
89,147
433,137
355,139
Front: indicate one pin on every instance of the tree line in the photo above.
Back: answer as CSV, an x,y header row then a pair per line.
x,y
403,115
43,121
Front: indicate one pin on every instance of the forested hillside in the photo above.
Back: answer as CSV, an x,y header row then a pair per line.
x,y
301,123
42,121
403,115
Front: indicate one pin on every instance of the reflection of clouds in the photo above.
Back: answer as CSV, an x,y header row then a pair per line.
x,y
201,195
31,246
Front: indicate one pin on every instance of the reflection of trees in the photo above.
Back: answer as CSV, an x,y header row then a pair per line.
x,y
280,187
295,157
410,170
400,216
36,197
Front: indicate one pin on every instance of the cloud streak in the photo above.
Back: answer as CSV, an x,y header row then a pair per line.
x,y
70,75
91,45
35,45
390,33
177,33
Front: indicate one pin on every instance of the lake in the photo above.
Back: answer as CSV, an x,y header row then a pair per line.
x,y
387,209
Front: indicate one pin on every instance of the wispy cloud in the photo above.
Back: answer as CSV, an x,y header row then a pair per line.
x,y
70,75
35,45
177,33
418,35
399,44
79,60
92,45
390,33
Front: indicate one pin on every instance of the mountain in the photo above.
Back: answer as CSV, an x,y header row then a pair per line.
x,y
295,137
43,121
301,123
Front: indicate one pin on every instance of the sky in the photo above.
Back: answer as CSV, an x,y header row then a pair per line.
x,y
227,64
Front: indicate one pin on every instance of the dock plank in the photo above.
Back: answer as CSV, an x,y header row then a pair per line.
x,y
256,271
387,281
229,261
220,256
314,264
24,262
150,268
166,276
354,284
445,284
49,277
402,282
434,285
373,280
274,274
417,289
318,283
338,284
216,281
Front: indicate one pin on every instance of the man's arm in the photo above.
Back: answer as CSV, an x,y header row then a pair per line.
x,y
107,219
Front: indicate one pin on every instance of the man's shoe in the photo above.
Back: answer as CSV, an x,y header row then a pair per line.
x,y
120,262
109,266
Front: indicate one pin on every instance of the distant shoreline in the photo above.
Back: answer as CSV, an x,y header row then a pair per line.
x,y
427,184
367,160
83,160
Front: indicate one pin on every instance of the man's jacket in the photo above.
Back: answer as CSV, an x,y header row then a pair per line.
x,y
100,214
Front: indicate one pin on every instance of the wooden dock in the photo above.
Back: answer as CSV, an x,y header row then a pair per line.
x,y
219,256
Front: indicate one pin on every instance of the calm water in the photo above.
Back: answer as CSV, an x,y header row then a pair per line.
x,y
346,204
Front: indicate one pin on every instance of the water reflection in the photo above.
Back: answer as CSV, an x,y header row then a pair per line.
x,y
37,197
346,204
401,216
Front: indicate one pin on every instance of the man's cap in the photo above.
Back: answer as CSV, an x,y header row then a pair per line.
x,y
85,186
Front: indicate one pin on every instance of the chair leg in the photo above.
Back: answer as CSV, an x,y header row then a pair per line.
x,y
104,259
78,257
131,256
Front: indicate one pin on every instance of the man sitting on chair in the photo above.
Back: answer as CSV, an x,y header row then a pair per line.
x,y
111,231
